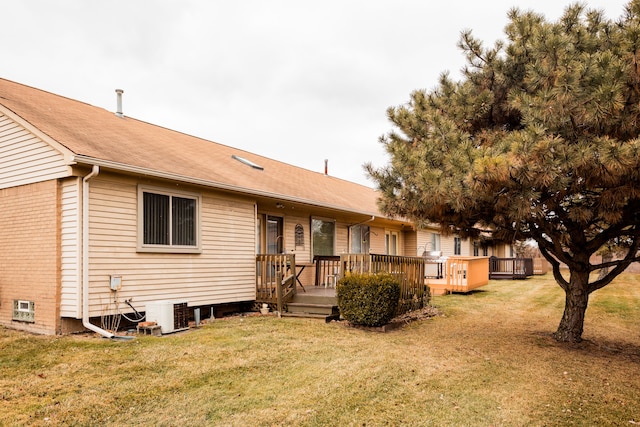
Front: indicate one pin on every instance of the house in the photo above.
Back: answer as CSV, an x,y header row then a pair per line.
x,y
102,213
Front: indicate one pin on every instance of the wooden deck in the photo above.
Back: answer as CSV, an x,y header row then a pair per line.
x,y
280,284
510,268
460,274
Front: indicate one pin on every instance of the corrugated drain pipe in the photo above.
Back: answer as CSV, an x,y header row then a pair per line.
x,y
85,255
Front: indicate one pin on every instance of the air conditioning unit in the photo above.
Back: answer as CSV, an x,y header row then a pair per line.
x,y
171,316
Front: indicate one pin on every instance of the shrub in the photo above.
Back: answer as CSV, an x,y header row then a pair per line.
x,y
368,299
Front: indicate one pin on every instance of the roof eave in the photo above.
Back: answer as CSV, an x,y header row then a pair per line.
x,y
122,167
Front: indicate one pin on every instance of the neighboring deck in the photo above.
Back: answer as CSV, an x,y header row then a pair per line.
x,y
460,274
510,268
516,268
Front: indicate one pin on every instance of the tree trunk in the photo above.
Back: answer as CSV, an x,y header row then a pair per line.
x,y
575,307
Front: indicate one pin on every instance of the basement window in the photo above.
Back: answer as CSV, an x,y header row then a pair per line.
x,y
247,162
24,311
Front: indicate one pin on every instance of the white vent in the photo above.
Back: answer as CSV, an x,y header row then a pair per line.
x,y
171,316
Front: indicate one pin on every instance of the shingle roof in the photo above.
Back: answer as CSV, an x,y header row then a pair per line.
x,y
94,133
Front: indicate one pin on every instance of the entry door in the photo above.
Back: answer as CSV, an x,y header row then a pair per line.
x,y
274,235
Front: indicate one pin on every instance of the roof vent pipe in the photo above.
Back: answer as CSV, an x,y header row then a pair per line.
x,y
326,166
119,93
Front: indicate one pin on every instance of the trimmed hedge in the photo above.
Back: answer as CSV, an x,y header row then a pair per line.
x,y
368,299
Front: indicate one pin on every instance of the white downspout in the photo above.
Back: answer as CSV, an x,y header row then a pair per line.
x,y
85,255
373,217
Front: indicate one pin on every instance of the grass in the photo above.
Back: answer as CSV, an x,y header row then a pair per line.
x,y
488,360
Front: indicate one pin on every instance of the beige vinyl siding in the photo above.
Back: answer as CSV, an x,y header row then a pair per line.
x,y
303,254
465,247
401,242
376,244
446,243
25,158
224,271
502,250
342,237
410,243
71,226
468,243
423,241
498,250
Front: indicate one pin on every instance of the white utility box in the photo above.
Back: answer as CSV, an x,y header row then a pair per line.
x,y
171,316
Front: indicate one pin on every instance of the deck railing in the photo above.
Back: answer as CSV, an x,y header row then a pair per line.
x,y
510,268
409,271
327,270
275,279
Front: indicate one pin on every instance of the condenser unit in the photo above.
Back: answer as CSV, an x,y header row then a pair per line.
x,y
171,316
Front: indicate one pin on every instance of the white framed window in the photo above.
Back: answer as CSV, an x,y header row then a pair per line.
x,y
435,242
168,220
457,246
391,239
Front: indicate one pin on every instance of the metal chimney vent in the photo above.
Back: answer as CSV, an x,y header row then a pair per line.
x,y
119,93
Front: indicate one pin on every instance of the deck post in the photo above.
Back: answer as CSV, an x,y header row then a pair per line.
x,y
279,292
275,279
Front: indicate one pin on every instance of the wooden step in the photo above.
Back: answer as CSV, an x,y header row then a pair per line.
x,y
327,318
302,298
299,307
314,305
438,289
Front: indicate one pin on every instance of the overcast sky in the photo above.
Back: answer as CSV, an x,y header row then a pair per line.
x,y
297,81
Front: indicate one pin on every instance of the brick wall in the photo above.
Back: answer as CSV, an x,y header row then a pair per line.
x,y
29,254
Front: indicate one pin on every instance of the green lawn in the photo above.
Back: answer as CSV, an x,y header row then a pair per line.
x,y
487,360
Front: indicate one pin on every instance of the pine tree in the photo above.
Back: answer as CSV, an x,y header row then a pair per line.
x,y
538,140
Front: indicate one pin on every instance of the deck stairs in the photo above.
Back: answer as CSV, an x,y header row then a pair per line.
x,y
315,303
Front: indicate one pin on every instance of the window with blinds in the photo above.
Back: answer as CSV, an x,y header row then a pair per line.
x,y
168,220
457,246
